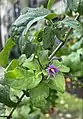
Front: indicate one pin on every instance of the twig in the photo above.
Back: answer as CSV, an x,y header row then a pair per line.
x,y
20,99
65,40
4,116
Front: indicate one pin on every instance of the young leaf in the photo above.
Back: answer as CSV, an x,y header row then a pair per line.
x,y
13,64
57,83
51,16
50,4
14,74
48,38
64,69
4,54
43,57
31,65
61,67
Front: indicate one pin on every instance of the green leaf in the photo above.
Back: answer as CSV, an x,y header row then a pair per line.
x,y
27,48
64,68
14,74
61,67
40,90
22,59
48,38
43,57
76,25
38,94
2,109
32,65
13,64
66,61
57,63
4,54
50,4
23,79
71,22
60,30
51,16
73,4
75,61
5,96
33,21
38,35
57,83
80,7
25,20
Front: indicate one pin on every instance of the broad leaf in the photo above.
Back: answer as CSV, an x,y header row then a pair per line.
x,y
38,94
14,74
32,65
4,54
23,79
25,20
72,23
66,61
57,83
40,90
75,61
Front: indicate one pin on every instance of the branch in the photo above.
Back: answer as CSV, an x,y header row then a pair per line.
x,y
19,100
65,40
4,116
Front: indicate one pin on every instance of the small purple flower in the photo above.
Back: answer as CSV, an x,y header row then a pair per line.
x,y
52,70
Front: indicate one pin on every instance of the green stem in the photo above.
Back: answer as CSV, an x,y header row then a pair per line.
x,y
4,116
20,99
62,43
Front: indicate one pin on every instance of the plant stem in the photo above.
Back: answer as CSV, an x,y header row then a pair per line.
x,y
20,99
62,43
4,116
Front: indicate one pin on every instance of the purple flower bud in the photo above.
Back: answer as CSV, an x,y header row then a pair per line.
x,y
52,70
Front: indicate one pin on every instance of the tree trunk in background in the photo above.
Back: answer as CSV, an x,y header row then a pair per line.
x,y
0,35
23,3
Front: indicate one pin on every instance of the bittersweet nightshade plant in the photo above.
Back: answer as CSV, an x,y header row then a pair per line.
x,y
27,74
